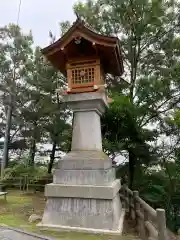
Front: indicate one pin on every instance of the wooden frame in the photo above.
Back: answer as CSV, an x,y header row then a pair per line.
x,y
150,223
84,64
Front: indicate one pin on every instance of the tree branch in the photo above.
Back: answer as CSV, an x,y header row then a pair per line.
x,y
160,106
156,115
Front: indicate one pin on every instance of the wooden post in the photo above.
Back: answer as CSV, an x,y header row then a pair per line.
x,y
24,183
130,208
131,200
20,183
143,226
27,182
136,208
129,204
5,197
125,195
161,224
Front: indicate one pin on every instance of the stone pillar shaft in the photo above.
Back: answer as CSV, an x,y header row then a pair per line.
x,y
86,131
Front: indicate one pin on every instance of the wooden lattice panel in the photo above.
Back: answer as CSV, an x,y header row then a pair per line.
x,y
83,75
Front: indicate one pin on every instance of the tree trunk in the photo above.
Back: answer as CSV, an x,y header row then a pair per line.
x,y
5,159
132,164
52,157
32,152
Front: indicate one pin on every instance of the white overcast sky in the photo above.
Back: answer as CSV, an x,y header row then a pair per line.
x,y
40,16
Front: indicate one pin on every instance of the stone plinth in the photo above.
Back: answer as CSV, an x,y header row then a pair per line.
x,y
84,195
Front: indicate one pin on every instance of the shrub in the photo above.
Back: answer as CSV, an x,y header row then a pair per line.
x,y
34,175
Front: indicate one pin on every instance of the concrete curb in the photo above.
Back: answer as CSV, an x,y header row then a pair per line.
x,y
26,233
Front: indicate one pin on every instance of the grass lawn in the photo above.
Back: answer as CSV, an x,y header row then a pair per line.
x,y
19,206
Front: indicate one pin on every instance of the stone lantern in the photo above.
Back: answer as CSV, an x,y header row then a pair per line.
x,y
84,195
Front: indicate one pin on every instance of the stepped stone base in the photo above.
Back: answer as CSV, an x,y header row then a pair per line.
x,y
84,177
85,160
84,213
85,196
89,215
117,231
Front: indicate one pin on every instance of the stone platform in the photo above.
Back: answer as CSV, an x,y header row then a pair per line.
x,y
84,195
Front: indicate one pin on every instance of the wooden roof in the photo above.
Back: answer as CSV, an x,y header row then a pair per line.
x,y
106,48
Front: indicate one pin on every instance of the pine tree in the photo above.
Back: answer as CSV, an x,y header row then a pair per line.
x,y
45,115
16,49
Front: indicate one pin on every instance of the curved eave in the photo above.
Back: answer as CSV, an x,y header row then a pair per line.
x,y
79,29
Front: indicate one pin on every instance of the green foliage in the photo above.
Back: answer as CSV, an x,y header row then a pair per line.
x,y
16,49
21,174
148,38
22,170
29,84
